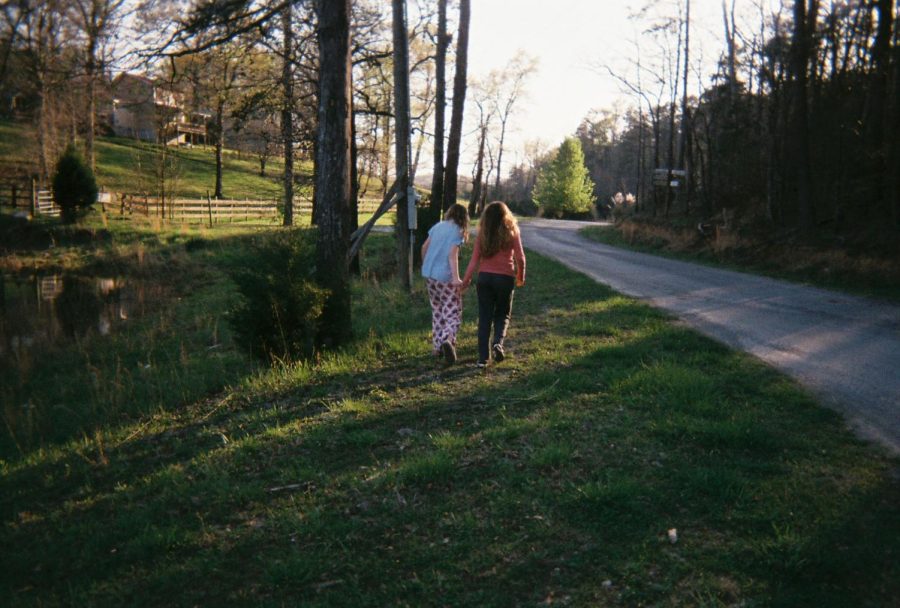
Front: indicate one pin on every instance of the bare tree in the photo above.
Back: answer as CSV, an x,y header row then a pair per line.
x,y
459,100
97,21
483,97
440,104
287,110
801,47
509,90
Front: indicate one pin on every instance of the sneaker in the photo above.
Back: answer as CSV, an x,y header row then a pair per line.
x,y
449,352
499,355
481,364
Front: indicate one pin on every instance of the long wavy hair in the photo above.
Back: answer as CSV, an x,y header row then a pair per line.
x,y
460,217
497,228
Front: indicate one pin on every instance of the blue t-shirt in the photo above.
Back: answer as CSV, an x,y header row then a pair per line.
x,y
436,264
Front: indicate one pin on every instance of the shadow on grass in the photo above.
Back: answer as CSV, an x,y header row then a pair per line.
x,y
385,478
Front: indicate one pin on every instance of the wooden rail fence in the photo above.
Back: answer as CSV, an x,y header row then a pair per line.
x,y
209,211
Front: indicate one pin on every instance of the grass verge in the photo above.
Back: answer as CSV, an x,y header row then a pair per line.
x,y
832,268
373,477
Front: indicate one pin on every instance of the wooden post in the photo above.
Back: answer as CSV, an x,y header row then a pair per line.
x,y
209,208
33,196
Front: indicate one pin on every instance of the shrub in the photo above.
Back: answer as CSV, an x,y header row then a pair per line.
x,y
564,187
280,307
74,186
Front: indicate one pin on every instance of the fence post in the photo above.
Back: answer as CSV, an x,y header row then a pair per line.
x,y
33,197
209,208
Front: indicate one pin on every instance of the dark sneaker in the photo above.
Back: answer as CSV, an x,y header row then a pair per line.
x,y
499,355
449,352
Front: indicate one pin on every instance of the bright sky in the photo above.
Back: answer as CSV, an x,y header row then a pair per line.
x,y
569,37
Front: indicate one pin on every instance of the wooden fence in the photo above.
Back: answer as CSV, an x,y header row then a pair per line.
x,y
209,211
44,203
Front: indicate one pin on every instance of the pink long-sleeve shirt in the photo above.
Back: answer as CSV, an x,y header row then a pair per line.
x,y
509,261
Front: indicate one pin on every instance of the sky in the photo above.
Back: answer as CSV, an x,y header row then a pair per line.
x,y
572,39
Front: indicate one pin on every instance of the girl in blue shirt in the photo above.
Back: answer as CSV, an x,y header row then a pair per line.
x,y
440,267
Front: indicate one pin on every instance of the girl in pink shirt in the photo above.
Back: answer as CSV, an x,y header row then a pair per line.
x,y
500,261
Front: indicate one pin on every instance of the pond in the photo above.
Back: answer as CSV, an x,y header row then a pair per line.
x,y
48,320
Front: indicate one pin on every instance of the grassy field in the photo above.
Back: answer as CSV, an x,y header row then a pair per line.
x,y
867,274
127,165
375,477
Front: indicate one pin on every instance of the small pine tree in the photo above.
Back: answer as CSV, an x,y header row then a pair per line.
x,y
74,186
564,186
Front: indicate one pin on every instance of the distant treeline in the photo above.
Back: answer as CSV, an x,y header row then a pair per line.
x,y
799,130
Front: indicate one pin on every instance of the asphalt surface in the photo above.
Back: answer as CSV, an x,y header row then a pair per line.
x,y
844,349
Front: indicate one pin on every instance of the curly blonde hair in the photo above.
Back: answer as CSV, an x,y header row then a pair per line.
x,y
497,228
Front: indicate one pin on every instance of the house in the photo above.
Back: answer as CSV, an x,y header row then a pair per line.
x,y
146,109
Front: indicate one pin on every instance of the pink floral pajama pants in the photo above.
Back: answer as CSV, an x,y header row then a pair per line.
x,y
446,312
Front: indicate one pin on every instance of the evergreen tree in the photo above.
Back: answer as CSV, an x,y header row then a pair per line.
x,y
564,186
74,186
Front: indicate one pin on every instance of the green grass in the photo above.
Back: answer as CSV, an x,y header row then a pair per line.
x,y
129,165
373,477
862,274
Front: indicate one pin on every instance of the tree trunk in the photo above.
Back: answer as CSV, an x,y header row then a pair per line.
x,y
685,111
220,143
800,49
459,100
354,181
875,115
333,176
478,178
401,140
440,104
90,93
893,140
497,194
287,111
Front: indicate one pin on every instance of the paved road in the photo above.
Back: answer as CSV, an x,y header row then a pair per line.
x,y
845,349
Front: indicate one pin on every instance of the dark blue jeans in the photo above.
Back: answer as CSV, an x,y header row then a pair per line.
x,y
495,296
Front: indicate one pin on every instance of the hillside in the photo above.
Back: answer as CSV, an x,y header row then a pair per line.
x,y
127,165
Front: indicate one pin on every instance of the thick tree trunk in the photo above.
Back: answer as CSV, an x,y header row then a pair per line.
x,y
459,100
440,104
401,142
287,112
333,186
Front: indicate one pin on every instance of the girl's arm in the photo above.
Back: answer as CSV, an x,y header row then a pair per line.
x,y
519,254
473,263
453,258
425,247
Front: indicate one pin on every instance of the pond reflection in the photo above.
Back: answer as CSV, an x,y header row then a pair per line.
x,y
41,312
45,321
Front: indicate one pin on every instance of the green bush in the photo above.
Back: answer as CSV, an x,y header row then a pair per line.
x,y
564,187
281,304
74,186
